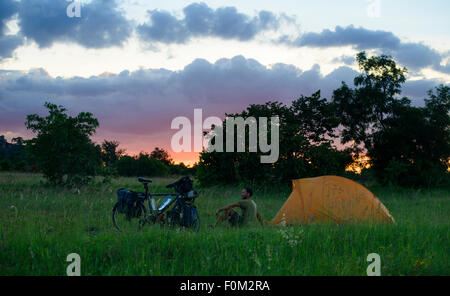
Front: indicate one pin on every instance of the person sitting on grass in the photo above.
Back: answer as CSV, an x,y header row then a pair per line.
x,y
250,215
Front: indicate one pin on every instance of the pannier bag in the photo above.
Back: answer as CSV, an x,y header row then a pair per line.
x,y
190,215
122,200
127,200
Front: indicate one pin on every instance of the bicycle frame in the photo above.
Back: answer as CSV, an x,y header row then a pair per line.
x,y
152,202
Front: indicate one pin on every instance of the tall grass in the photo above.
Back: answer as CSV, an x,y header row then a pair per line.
x,y
40,226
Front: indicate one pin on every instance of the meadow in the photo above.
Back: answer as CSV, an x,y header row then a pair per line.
x,y
41,225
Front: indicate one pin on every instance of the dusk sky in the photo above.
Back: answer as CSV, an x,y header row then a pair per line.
x,y
136,65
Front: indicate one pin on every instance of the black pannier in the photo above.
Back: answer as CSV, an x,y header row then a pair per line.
x,y
122,200
128,202
183,214
190,215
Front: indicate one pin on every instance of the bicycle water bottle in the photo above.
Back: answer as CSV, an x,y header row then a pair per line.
x,y
166,202
153,204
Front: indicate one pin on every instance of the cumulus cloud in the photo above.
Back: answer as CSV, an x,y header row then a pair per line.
x,y
201,20
359,37
414,56
101,23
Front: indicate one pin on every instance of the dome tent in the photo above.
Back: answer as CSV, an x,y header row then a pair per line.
x,y
331,199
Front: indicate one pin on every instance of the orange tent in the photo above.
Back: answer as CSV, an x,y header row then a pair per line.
x,y
331,199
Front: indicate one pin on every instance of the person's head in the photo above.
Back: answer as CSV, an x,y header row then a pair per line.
x,y
246,192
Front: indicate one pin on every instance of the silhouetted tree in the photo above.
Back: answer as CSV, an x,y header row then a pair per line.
x,y
111,153
62,147
406,144
306,132
14,156
161,155
363,110
17,141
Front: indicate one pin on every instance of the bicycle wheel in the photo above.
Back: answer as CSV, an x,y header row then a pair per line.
x,y
124,222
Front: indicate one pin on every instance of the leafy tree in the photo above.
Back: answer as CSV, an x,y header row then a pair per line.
x,y
437,112
111,153
17,141
62,147
399,145
161,155
412,149
306,133
363,110
14,155
149,166
406,144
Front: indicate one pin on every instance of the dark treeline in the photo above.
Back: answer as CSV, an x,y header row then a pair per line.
x,y
407,145
105,159
14,156
156,163
67,157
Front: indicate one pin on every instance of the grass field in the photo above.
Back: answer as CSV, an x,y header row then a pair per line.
x,y
40,226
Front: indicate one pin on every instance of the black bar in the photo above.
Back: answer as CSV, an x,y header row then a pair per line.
x,y
225,285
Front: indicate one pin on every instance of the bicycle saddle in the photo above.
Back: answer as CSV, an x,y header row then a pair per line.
x,y
143,180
